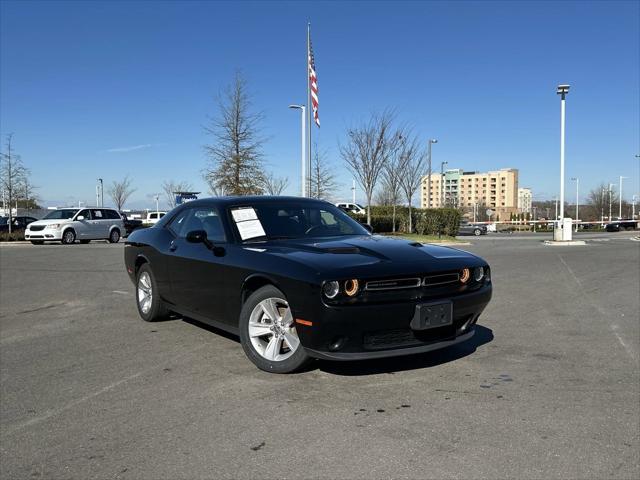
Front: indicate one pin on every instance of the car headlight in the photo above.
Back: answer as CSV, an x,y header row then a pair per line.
x,y
478,274
465,274
331,289
351,287
53,225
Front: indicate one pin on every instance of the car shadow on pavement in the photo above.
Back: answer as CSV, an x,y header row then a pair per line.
x,y
482,336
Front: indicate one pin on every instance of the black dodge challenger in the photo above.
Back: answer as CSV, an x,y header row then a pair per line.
x,y
297,279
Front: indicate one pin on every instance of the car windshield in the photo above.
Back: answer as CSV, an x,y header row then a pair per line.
x,y
273,221
60,214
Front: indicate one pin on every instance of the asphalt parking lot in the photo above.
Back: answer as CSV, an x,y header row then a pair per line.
x,y
548,388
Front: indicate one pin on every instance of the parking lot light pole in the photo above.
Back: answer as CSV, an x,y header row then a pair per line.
x,y
610,190
431,142
577,180
633,207
101,192
442,183
620,198
562,90
303,177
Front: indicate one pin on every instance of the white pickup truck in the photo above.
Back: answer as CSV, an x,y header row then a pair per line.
x,y
153,217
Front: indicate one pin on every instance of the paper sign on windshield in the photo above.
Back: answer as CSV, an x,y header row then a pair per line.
x,y
247,222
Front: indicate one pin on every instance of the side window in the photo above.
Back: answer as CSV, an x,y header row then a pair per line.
x,y
210,222
111,214
97,214
85,213
178,224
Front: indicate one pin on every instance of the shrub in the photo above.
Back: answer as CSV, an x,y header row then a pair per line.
x,y
433,221
13,237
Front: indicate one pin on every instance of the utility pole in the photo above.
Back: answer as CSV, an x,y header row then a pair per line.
x,y
610,190
101,193
442,183
353,191
620,199
431,142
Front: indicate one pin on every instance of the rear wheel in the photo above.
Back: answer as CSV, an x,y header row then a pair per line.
x,y
150,306
114,236
268,333
68,237
477,232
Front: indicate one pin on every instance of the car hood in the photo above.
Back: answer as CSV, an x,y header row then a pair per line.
x,y
46,222
369,255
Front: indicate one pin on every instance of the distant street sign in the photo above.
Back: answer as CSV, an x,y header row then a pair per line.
x,y
489,212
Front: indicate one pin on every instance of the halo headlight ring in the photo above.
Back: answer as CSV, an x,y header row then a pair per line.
x,y
351,287
331,289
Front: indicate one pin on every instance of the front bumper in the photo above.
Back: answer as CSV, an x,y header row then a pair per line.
x,y
48,234
358,332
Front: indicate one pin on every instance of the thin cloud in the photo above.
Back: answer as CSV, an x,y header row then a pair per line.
x,y
131,148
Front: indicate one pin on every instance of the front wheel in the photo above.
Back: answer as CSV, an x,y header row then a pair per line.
x,y
150,306
68,237
268,333
477,232
114,236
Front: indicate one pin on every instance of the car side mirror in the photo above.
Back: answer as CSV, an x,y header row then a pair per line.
x,y
197,236
368,227
80,217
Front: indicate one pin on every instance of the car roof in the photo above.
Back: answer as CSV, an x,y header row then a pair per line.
x,y
255,199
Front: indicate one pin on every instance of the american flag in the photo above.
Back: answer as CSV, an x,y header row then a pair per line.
x,y
313,85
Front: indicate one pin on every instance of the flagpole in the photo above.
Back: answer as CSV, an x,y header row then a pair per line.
x,y
308,110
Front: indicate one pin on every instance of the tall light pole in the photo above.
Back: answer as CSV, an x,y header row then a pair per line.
x,y
602,201
534,218
577,180
556,203
562,90
442,183
610,190
620,198
633,207
101,193
431,142
303,177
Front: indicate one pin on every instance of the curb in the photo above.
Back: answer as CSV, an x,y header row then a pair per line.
x,y
17,242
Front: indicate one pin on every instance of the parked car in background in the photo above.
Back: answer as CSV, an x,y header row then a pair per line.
x,y
154,217
621,225
352,208
66,225
297,279
130,224
17,223
468,228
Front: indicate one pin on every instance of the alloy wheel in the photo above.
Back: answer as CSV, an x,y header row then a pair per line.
x,y
145,292
271,330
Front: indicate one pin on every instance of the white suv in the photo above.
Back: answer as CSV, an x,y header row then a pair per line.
x,y
67,225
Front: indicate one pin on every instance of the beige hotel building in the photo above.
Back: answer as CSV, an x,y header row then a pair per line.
x,y
497,190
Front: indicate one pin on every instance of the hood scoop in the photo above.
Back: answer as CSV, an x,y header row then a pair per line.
x,y
343,250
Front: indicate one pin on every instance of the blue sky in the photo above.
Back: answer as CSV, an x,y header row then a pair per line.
x,y
93,89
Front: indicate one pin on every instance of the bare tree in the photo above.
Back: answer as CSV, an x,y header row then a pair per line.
x,y
412,168
598,202
120,192
367,150
12,175
235,157
391,176
323,178
383,195
273,185
170,187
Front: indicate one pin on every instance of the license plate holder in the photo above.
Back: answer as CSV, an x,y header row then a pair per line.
x,y
432,315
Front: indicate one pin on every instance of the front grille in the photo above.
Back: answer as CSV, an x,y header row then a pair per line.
x,y
405,337
36,228
36,236
393,284
440,279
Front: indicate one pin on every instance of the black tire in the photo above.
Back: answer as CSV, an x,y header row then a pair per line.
x,y
114,236
157,310
37,242
295,362
68,237
84,242
477,232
